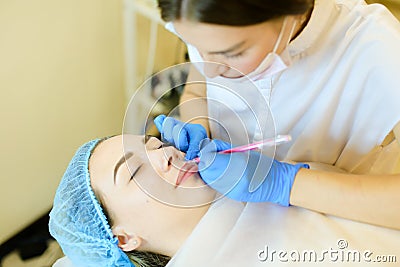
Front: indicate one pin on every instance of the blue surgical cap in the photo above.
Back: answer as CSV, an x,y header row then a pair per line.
x,y
77,220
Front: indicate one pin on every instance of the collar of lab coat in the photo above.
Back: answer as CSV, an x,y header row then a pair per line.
x,y
322,14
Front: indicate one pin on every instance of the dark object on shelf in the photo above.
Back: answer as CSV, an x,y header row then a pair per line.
x,y
30,242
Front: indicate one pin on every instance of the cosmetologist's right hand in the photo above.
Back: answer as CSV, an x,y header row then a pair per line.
x,y
233,174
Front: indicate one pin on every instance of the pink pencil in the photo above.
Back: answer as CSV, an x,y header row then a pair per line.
x,y
279,139
191,166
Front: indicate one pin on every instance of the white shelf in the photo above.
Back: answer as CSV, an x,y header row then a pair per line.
x,y
148,9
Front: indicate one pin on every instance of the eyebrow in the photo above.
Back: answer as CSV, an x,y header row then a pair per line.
x,y
124,158
229,50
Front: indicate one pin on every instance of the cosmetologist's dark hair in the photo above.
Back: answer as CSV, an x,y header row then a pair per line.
x,y
231,12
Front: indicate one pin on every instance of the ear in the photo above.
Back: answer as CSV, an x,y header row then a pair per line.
x,y
126,241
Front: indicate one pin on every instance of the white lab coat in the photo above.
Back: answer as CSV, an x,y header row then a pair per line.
x,y
259,234
340,96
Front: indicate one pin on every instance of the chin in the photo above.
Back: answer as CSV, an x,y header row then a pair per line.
x,y
193,181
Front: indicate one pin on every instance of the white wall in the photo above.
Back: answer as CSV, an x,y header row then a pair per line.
x,y
61,84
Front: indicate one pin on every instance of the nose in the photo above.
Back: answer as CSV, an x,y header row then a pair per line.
x,y
214,69
170,158
211,67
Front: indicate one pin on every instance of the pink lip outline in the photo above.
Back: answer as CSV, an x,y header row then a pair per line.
x,y
188,169
191,166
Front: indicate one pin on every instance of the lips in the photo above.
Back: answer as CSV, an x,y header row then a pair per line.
x,y
187,170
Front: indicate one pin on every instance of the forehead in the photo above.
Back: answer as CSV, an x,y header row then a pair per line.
x,y
209,37
115,147
110,151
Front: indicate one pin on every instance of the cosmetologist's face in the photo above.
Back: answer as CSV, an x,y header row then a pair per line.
x,y
237,48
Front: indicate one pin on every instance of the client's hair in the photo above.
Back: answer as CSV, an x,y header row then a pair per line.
x,y
233,13
147,258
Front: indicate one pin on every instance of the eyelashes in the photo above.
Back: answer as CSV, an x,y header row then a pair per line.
x,y
136,171
235,55
134,165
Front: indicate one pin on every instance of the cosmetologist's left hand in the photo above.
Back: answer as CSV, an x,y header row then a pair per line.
x,y
184,136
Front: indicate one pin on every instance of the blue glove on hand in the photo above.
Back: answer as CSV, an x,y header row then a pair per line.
x,y
231,174
184,136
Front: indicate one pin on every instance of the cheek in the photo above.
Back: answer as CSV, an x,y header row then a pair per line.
x,y
152,185
152,177
125,203
159,173
247,63
122,202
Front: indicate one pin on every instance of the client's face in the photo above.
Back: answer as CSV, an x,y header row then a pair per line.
x,y
136,183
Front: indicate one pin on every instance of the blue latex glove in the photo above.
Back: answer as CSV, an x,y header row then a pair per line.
x,y
184,136
230,174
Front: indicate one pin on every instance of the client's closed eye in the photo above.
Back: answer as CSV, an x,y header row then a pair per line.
x,y
136,171
134,165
